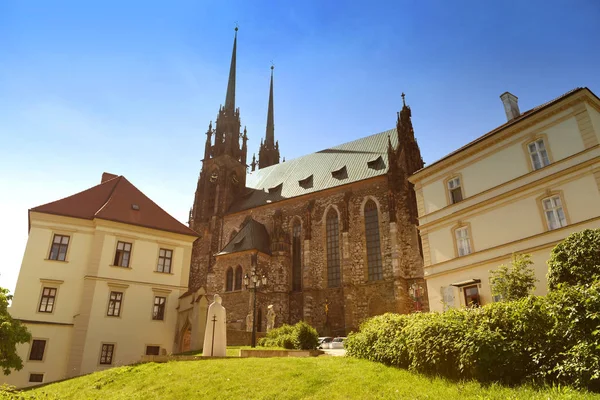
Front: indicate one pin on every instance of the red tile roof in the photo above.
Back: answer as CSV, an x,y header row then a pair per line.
x,y
114,200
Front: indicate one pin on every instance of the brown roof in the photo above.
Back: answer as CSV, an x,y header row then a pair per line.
x,y
114,200
520,118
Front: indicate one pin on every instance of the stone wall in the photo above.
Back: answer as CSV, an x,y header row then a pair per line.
x,y
357,298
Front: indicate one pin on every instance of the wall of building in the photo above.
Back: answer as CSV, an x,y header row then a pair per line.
x,y
79,323
502,196
356,298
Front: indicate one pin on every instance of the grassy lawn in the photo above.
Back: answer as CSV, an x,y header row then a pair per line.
x,y
278,378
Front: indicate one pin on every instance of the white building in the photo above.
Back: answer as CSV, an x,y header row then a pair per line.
x,y
521,188
99,283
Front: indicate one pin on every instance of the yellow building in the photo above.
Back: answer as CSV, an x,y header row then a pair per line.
x,y
99,283
521,188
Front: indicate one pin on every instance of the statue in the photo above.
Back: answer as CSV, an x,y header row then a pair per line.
x,y
270,318
215,335
249,322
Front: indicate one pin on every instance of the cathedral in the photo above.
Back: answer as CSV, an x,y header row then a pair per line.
x,y
333,233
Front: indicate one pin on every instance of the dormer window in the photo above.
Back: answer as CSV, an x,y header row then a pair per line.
x,y
340,173
306,182
376,163
275,189
454,187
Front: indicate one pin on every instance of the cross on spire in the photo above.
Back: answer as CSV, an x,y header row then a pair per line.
x,y
403,101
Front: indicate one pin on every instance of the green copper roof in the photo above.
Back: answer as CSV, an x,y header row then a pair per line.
x,y
340,165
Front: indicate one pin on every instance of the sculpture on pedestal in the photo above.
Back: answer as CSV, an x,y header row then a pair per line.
x,y
270,318
215,336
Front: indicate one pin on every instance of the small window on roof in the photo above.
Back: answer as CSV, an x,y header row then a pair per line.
x,y
306,182
376,163
276,188
340,173
135,206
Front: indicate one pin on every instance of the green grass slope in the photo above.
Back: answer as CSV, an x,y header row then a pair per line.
x,y
277,378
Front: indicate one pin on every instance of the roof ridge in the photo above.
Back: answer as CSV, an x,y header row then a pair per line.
x,y
110,194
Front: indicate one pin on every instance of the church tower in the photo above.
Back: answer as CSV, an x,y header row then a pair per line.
x,y
268,153
222,179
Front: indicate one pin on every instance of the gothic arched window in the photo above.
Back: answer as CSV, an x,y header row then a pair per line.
x,y
229,280
238,278
373,242
333,248
296,256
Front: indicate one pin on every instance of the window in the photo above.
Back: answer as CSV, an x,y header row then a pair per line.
x,y
373,246
164,260
122,254
553,210
538,154
158,312
455,190
106,354
229,280
296,257
58,252
238,278
36,378
114,304
471,296
333,249
47,301
38,346
152,350
463,241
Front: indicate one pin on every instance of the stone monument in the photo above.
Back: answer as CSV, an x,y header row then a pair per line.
x,y
270,318
249,322
215,336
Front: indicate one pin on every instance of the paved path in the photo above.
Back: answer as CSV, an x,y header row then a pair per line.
x,y
335,352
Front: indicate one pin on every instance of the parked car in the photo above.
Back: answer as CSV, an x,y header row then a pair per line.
x,y
324,342
337,343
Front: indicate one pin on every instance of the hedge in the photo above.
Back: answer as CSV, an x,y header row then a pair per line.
x,y
301,336
552,339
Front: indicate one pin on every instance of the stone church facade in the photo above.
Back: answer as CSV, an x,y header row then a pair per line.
x,y
334,232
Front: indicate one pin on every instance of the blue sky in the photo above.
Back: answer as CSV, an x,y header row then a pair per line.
x,y
130,87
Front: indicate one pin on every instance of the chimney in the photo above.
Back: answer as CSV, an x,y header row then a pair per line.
x,y
511,105
107,177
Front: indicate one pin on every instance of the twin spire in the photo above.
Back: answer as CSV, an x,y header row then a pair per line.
x,y
269,150
230,98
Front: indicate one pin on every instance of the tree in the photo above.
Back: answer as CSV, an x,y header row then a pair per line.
x,y
514,281
575,260
12,332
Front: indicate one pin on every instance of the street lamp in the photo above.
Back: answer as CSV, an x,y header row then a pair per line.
x,y
416,293
253,282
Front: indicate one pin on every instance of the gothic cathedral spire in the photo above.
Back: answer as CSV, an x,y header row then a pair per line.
x,y
224,164
268,153
230,97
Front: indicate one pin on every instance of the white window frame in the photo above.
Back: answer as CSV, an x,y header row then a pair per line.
x,y
540,151
554,212
454,184
463,242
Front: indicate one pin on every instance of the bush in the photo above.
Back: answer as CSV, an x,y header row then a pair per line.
x,y
575,338
553,339
307,337
301,336
515,281
576,260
